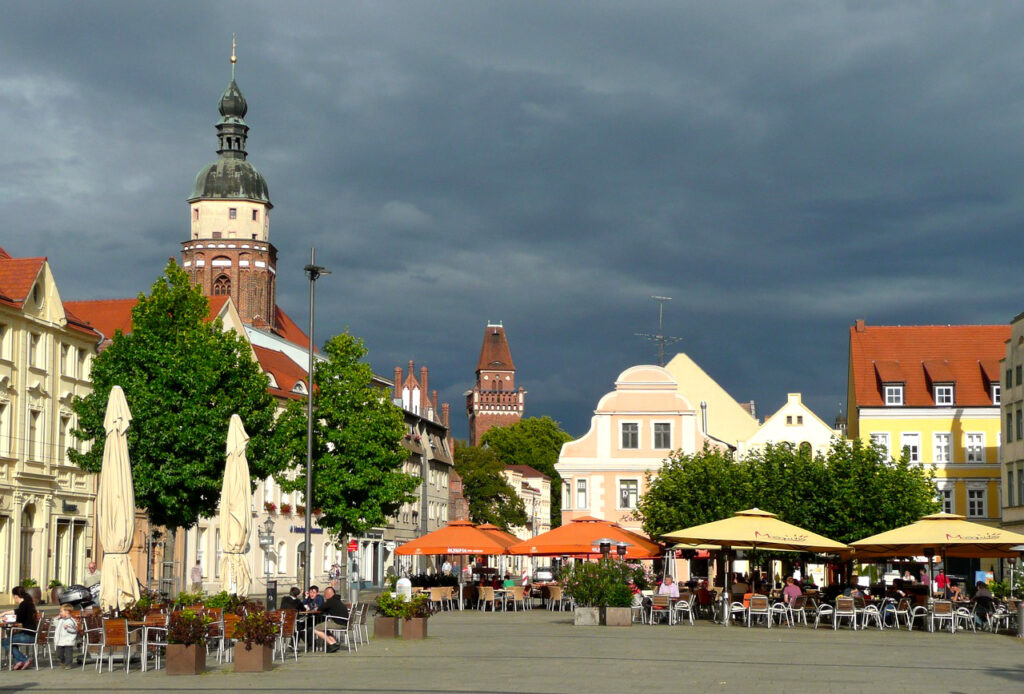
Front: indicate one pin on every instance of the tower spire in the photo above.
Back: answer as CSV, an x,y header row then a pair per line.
x,y
234,59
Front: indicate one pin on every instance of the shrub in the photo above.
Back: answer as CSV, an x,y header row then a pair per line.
x,y
137,609
255,628
188,628
620,595
591,584
419,606
222,600
54,583
187,599
389,605
29,583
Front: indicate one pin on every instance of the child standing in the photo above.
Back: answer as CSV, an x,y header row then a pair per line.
x,y
64,634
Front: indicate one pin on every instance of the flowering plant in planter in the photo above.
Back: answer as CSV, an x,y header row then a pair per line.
x,y
270,506
604,583
286,508
300,509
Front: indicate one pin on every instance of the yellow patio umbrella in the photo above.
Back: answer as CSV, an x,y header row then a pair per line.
x,y
946,534
236,512
115,508
755,529
942,533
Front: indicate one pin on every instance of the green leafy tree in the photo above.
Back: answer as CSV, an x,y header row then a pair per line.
x,y
358,481
491,498
183,377
534,441
851,492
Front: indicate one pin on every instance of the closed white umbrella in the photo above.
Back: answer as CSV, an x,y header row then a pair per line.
x,y
115,508
236,512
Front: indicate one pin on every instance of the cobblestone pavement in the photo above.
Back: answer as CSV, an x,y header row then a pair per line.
x,y
541,652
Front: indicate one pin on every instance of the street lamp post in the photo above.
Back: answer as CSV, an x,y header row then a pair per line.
x,y
266,540
313,271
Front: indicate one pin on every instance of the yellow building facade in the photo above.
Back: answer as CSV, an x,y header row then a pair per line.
x,y
46,502
934,392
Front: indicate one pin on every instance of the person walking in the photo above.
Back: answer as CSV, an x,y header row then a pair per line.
x,y
196,576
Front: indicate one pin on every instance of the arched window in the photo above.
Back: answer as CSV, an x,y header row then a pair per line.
x,y
222,286
804,449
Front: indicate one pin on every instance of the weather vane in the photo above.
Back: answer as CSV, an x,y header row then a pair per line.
x,y
234,59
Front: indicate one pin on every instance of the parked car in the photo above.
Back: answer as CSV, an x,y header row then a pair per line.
x,y
543,575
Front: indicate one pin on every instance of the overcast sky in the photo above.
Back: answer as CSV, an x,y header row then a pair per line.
x,y
779,169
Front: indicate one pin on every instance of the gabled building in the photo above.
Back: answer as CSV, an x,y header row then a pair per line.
x,y
722,417
1012,408
794,423
933,391
634,429
47,504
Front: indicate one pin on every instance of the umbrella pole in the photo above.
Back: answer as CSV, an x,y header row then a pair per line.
x,y
725,587
931,578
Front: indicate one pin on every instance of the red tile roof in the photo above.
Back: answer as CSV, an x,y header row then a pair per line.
x,y
17,275
921,355
289,330
110,315
286,372
495,354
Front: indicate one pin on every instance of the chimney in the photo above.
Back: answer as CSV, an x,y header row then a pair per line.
x,y
859,325
423,389
704,416
433,404
398,381
444,414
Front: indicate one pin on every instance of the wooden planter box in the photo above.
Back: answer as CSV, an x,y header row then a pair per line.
x,y
186,660
617,616
256,659
415,628
587,616
385,627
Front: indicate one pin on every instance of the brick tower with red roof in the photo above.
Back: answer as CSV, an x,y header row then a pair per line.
x,y
494,400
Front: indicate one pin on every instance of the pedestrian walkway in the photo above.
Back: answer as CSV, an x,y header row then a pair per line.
x,y
541,652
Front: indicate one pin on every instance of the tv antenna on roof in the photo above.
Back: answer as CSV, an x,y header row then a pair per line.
x,y
660,338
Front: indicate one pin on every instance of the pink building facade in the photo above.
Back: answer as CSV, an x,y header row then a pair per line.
x,y
634,429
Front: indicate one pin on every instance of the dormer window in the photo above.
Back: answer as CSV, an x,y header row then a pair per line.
x,y
996,393
893,394
944,395
299,388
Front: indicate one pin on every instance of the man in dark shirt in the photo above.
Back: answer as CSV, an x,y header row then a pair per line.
x,y
336,613
292,602
313,600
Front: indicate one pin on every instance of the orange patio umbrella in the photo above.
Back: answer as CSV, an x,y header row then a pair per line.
x,y
458,537
505,538
581,537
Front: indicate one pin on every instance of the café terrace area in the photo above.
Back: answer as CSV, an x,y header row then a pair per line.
x,y
541,651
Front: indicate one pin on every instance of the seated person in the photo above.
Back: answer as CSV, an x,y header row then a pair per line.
x,y
291,601
668,587
314,600
955,592
792,590
496,582
337,617
985,604
508,582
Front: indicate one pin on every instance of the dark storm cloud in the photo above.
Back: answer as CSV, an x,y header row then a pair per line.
x,y
779,169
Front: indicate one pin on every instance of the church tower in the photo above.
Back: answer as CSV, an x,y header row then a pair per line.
x,y
494,399
228,252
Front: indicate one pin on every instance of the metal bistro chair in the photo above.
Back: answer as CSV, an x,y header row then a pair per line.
x,y
797,614
362,630
824,613
215,631
636,608
92,634
871,613
287,635
154,638
40,639
438,597
486,598
516,595
781,611
902,611
942,611
341,628
659,606
759,607
845,609
684,608
963,618
115,636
